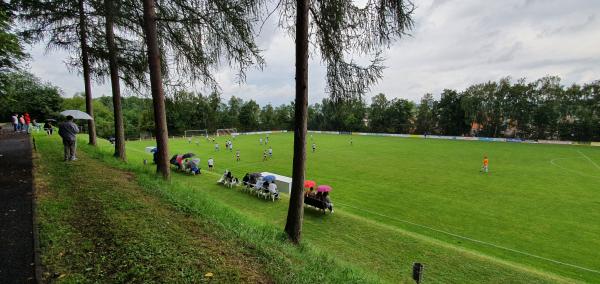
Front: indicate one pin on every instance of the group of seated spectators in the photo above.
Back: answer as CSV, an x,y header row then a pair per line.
x,y
321,196
186,165
228,179
257,182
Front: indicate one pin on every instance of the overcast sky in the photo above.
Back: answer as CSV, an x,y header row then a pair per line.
x,y
455,43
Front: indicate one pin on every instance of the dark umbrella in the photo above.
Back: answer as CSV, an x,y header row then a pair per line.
x,y
188,155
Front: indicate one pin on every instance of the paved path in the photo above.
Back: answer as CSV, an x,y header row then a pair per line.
x,y
16,225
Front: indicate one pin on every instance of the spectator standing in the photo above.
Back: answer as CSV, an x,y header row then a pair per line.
x,y
68,132
27,122
21,123
15,121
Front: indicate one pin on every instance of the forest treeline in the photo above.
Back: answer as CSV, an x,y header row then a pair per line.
x,y
541,109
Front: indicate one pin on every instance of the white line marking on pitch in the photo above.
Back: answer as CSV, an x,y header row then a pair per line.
x,y
571,170
475,240
588,158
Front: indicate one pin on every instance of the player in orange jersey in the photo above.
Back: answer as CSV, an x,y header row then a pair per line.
x,y
486,162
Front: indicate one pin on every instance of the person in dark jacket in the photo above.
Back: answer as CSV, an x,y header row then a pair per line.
x,y
68,131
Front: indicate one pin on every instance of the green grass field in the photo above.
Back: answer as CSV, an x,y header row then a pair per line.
x,y
534,218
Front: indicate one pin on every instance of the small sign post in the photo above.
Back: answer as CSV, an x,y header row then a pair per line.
x,y
418,272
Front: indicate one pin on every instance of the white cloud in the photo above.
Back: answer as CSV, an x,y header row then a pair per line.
x,y
455,43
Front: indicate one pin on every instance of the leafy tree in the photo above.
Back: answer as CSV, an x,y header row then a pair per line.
x,y
345,115
65,24
426,119
519,107
213,114
284,115
23,92
546,115
377,113
451,114
233,113
339,27
267,117
400,115
249,115
316,119
11,50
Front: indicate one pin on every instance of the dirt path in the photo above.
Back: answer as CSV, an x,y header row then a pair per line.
x,y
16,225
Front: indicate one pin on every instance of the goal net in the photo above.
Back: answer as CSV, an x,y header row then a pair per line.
x,y
227,131
195,133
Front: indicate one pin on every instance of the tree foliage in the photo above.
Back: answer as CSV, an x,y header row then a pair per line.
x,y
345,34
23,92
11,50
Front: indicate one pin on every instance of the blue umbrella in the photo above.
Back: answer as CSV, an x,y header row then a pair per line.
x,y
269,178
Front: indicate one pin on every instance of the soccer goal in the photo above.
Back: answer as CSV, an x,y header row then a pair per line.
x,y
227,131
195,133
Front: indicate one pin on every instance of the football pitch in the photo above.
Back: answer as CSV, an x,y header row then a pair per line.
x,y
535,217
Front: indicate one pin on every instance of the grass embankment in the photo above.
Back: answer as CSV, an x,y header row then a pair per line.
x,y
97,224
367,242
527,205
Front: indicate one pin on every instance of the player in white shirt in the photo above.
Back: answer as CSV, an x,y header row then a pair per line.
x,y
211,164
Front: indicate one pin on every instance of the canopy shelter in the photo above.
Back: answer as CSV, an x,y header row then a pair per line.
x,y
76,114
284,184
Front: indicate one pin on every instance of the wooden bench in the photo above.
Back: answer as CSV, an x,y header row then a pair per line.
x,y
319,204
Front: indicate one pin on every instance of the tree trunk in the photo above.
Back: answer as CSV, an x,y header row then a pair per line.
x,y
158,96
293,226
89,108
114,80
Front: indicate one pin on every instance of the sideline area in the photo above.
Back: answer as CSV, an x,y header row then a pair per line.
x,y
367,242
16,223
97,225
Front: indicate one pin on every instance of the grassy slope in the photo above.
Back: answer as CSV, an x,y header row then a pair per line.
x,y
98,225
102,228
525,204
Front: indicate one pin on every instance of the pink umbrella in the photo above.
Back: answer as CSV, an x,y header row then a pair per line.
x,y
324,188
309,183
